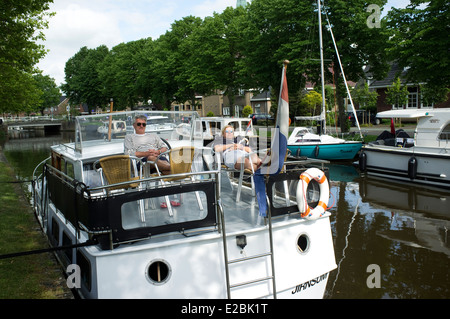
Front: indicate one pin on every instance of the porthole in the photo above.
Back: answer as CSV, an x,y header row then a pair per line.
x,y
158,272
303,243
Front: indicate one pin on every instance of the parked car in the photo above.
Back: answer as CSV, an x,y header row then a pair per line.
x,y
363,117
260,117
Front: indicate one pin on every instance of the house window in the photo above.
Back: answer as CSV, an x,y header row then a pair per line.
x,y
412,98
424,104
226,110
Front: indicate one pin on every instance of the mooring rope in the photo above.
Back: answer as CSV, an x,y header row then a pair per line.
x,y
41,251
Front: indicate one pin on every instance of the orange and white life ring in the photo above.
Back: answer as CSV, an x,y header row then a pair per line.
x,y
305,178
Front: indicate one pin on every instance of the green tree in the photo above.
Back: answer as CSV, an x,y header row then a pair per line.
x,y
313,103
50,92
433,94
169,66
83,84
365,98
397,94
246,111
420,42
358,44
118,72
21,25
288,29
218,45
156,79
276,30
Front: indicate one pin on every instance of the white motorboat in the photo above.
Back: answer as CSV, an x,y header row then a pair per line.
x,y
118,127
303,142
160,125
120,240
423,159
208,128
157,122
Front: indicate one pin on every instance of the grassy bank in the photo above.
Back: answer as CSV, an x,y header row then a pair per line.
x,y
27,277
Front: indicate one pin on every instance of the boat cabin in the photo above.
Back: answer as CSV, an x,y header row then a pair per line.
x,y
432,130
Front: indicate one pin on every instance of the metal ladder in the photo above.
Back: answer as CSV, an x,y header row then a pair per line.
x,y
244,259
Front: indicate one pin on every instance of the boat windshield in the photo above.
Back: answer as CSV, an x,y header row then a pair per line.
x,y
302,132
168,125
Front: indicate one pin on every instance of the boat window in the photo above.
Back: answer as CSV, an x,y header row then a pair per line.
x,y
67,168
91,177
154,211
301,133
66,241
445,133
55,232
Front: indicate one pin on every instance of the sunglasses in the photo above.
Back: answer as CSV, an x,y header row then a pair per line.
x,y
141,124
228,131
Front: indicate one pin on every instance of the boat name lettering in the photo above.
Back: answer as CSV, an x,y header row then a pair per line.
x,y
309,283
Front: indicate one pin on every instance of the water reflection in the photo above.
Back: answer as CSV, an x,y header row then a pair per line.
x,y
24,149
401,228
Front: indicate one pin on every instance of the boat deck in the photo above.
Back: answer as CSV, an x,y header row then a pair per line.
x,y
185,207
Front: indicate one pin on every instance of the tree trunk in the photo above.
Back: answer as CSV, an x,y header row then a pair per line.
x,y
340,95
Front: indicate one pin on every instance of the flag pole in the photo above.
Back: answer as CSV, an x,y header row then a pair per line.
x,y
110,119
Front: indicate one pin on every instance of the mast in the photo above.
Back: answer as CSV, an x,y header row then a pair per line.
x,y
324,114
343,75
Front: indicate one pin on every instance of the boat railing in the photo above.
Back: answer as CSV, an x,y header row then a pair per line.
x,y
115,217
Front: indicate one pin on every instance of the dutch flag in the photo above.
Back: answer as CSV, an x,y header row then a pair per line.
x,y
278,145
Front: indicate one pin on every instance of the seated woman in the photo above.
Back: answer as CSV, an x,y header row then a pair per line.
x,y
234,153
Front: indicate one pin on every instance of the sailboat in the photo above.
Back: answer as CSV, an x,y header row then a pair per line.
x,y
303,142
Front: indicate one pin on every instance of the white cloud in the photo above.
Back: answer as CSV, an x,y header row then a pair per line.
x,y
72,28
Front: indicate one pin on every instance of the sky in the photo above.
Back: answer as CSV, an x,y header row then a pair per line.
x,y
92,23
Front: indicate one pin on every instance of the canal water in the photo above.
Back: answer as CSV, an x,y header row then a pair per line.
x,y
391,240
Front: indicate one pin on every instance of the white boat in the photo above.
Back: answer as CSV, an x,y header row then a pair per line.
x,y
208,128
302,141
423,159
118,127
160,125
158,122
123,243
212,126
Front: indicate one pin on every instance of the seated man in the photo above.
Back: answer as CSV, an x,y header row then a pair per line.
x,y
146,145
234,152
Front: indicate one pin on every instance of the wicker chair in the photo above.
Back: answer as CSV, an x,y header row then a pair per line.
x,y
118,169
